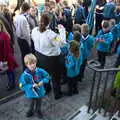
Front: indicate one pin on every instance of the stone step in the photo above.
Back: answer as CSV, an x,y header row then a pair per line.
x,y
98,116
115,116
81,114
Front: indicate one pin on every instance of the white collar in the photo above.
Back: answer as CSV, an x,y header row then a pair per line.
x,y
85,38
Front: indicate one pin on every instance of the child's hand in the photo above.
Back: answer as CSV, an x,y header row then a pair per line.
x,y
35,85
40,84
101,40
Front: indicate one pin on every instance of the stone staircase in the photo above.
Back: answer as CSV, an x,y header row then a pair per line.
x,y
82,114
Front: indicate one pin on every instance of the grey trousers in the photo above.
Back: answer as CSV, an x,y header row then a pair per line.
x,y
34,104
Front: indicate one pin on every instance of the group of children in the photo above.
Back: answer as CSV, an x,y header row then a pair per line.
x,y
75,54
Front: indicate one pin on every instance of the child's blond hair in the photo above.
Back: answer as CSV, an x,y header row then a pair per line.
x,y
29,59
84,29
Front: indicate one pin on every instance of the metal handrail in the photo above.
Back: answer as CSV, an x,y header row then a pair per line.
x,y
97,64
94,65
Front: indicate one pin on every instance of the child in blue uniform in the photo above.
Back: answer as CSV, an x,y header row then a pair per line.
x,y
87,41
73,62
104,39
117,64
115,29
32,83
118,36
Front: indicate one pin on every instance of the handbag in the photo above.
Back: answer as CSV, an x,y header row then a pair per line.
x,y
3,64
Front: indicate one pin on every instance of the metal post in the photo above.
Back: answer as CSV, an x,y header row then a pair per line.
x,y
97,91
91,93
104,90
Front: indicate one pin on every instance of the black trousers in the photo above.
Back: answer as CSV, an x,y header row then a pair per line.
x,y
117,63
82,69
99,18
24,48
72,84
102,58
34,104
52,65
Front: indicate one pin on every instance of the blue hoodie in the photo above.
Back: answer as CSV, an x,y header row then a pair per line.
x,y
87,43
114,31
118,30
118,50
107,37
73,65
26,83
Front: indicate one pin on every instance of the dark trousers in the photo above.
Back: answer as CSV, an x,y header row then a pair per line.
x,y
82,69
99,18
102,58
72,84
24,48
117,45
11,78
34,104
117,63
32,47
52,65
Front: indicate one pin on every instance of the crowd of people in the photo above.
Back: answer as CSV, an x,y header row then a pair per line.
x,y
59,44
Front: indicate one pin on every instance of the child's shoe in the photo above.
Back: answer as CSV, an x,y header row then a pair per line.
x,y
69,93
39,114
29,114
75,91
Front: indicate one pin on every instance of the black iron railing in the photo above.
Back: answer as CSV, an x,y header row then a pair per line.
x,y
97,96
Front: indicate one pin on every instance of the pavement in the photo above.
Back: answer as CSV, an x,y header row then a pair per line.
x,y
52,109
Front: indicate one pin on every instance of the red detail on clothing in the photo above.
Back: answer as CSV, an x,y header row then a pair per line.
x,y
6,53
57,1
35,78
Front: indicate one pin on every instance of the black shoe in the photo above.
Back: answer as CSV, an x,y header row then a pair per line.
x,y
58,97
9,88
79,79
40,115
29,114
75,92
69,94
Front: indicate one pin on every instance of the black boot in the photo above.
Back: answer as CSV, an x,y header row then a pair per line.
x,y
29,114
39,114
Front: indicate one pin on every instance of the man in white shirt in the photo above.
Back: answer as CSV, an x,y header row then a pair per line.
x,y
23,31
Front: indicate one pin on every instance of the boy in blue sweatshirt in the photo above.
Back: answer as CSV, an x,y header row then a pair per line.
x,y
73,63
32,83
118,56
86,44
115,29
103,39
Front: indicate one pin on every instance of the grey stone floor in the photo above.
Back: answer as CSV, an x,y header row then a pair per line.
x,y
52,109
